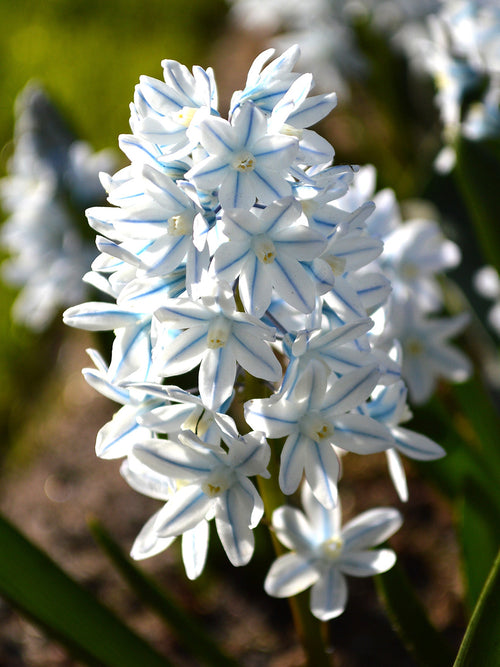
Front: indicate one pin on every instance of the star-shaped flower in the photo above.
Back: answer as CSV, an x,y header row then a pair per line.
x,y
244,162
219,337
314,417
215,484
322,552
265,252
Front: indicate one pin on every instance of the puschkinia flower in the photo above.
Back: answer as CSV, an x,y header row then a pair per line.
x,y
264,252
427,355
215,485
314,417
236,258
322,552
244,162
216,336
163,111
52,178
388,406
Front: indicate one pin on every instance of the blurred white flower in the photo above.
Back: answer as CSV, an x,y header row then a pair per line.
x,y
52,179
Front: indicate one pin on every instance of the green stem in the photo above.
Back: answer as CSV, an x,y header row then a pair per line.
x,y
309,629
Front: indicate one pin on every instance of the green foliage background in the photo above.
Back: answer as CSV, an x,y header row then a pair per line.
x,y
89,54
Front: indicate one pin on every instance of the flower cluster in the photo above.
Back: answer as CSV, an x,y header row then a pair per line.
x,y
52,179
462,52
415,255
227,256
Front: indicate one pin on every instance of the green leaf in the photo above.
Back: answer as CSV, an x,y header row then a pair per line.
x,y
466,457
410,620
478,172
479,535
39,588
481,644
194,638
476,405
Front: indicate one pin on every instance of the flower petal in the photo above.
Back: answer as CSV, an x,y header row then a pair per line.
x,y
148,543
322,472
292,529
370,528
254,354
293,460
416,446
274,418
194,549
367,563
290,574
329,595
217,375
362,435
232,519
184,511
351,390
172,459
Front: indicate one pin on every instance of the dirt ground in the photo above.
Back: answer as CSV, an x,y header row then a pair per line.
x,y
56,483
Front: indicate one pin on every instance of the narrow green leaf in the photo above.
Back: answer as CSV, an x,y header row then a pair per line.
x,y
481,644
193,637
40,589
477,406
466,458
410,620
479,535
478,169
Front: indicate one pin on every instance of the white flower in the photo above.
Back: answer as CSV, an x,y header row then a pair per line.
x,y
314,417
214,484
322,552
163,112
51,178
265,252
414,254
427,354
244,162
334,346
116,438
181,411
388,406
148,543
218,337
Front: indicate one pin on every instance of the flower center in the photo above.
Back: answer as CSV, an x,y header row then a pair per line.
x,y
264,249
218,482
180,225
185,115
410,271
315,427
218,332
199,421
292,131
244,162
337,264
413,347
332,547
